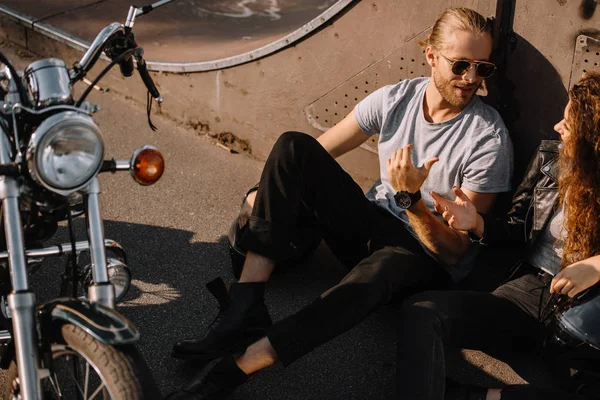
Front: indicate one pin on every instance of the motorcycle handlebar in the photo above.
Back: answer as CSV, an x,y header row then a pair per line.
x,y
126,67
143,70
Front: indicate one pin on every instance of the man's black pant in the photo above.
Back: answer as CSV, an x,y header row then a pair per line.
x,y
304,194
504,322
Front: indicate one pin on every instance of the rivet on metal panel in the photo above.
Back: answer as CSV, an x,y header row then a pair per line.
x,y
585,48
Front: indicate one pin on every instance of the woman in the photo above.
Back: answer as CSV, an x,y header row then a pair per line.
x,y
555,213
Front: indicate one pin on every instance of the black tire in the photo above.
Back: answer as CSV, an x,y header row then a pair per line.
x,y
118,373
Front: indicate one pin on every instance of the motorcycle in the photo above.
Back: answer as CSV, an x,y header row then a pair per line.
x,y
51,153
575,337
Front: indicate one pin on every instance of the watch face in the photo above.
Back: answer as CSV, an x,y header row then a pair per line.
x,y
403,200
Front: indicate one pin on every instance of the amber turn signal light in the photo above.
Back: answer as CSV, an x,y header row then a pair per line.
x,y
147,165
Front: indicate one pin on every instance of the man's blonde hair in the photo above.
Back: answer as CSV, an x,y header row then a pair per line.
x,y
453,19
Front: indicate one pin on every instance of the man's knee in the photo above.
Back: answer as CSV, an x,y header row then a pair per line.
x,y
291,143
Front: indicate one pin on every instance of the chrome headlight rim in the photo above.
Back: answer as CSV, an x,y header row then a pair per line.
x,y
44,135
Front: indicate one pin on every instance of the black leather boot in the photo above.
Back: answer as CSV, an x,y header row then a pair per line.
x,y
216,382
242,319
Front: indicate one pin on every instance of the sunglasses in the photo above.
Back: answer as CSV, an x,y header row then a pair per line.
x,y
484,69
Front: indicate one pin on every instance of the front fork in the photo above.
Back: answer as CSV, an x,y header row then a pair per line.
x,y
21,300
102,291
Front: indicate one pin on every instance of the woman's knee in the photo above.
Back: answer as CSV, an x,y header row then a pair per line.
x,y
419,316
422,306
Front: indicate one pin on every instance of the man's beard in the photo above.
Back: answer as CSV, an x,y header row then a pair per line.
x,y
448,92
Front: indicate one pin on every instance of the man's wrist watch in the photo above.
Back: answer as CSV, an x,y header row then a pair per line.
x,y
406,199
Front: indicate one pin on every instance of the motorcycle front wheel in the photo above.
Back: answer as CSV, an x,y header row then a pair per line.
x,y
84,368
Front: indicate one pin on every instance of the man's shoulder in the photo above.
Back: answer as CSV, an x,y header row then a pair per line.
x,y
487,119
407,85
404,90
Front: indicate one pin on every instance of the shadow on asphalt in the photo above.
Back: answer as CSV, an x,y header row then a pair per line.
x,y
168,302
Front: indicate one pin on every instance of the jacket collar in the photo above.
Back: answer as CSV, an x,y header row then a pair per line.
x,y
550,166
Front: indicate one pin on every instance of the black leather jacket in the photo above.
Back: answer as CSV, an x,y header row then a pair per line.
x,y
533,203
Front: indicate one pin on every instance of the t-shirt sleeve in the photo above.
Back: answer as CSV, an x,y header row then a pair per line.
x,y
490,166
369,111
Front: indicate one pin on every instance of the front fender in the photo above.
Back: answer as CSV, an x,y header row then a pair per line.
x,y
103,323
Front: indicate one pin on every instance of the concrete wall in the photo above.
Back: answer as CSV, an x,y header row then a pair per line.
x,y
259,100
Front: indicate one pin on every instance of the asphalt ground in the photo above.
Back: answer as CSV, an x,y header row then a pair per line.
x,y
174,234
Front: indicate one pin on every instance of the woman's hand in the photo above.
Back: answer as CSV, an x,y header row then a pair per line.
x,y
577,277
460,214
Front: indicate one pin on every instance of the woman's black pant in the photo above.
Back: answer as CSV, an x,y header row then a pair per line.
x,y
504,322
304,195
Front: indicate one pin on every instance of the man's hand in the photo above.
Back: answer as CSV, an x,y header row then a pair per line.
x,y
577,277
460,214
403,174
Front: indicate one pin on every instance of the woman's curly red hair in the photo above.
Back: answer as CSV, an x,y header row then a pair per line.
x,y
579,184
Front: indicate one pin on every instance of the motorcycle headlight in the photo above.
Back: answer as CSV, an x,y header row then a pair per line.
x,y
65,152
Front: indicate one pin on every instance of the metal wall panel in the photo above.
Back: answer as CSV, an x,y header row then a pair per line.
x,y
540,67
408,61
586,57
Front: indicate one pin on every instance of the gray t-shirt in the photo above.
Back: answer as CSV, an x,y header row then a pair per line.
x,y
474,148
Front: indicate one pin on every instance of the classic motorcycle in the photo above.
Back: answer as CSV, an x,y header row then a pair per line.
x,y
51,153
575,336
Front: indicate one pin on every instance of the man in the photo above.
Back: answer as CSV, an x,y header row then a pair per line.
x,y
391,240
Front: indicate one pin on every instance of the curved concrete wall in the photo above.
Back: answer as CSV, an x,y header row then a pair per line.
x,y
259,100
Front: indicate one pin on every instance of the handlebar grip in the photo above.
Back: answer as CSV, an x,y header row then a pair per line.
x,y
126,66
143,70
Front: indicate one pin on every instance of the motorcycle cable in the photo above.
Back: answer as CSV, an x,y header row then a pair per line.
x,y
152,91
73,258
149,111
15,78
116,60
70,274
74,272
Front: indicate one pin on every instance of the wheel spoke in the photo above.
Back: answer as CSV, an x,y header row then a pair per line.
x,y
75,380
56,385
97,391
86,382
